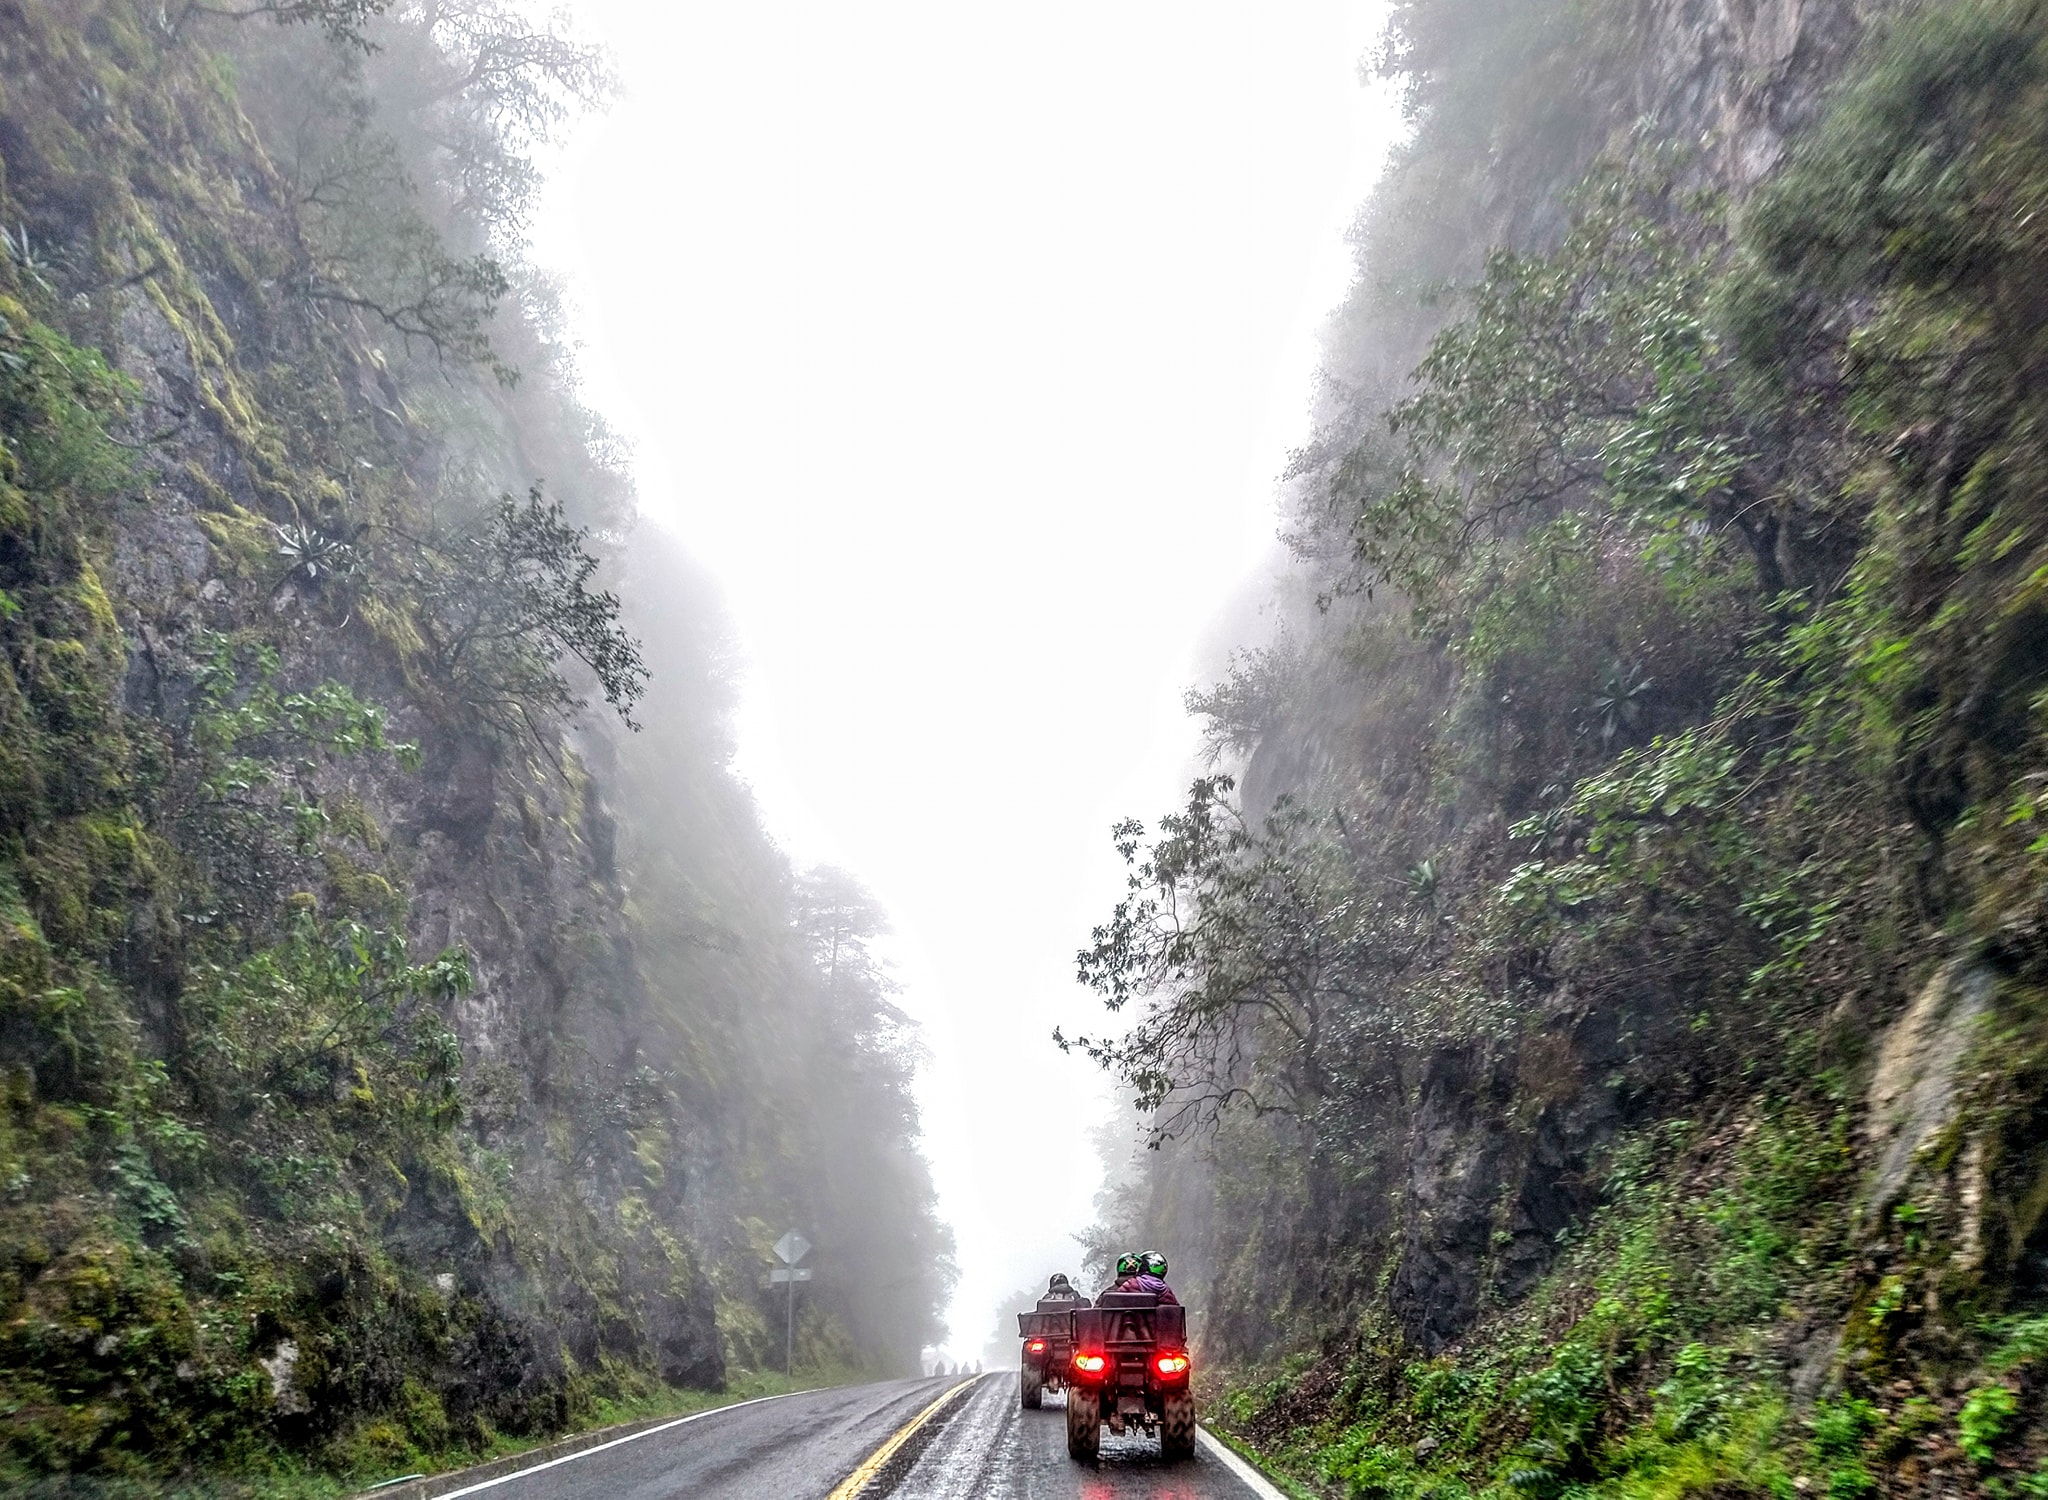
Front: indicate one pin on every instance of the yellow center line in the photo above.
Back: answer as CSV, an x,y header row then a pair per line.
x,y
857,1481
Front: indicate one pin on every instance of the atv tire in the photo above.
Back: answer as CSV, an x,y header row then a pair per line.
x,y
1084,1424
1177,1425
1030,1387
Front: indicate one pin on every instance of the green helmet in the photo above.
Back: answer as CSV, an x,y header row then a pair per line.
x,y
1129,1265
1152,1263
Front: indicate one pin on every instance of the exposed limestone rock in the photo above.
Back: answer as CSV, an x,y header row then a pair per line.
x,y
282,1366
1914,1090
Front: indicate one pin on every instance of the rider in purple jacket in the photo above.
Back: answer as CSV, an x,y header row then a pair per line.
x,y
1151,1277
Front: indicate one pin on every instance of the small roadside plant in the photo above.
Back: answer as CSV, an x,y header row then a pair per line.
x,y
1984,1420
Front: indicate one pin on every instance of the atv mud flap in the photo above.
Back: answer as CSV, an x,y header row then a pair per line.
x,y
1127,1414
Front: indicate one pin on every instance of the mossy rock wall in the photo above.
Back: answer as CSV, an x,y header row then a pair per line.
x,y
276,1185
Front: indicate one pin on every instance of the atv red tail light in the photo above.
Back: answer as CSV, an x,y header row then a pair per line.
x,y
1036,1346
1091,1364
1171,1364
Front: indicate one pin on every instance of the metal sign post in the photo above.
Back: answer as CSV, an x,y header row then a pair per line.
x,y
790,1249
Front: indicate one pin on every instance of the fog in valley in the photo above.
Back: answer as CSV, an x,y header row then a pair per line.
x,y
963,349
689,690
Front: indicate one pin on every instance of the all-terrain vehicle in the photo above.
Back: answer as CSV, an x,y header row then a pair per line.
x,y
1130,1370
1048,1336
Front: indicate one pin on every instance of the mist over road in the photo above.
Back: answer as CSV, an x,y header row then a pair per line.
x,y
979,1446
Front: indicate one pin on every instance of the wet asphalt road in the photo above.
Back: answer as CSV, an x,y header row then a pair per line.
x,y
982,1446
988,1448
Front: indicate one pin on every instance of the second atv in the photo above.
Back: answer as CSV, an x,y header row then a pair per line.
x,y
1048,1352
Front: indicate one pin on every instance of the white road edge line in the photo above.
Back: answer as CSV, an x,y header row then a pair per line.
x,y
631,1437
1256,1482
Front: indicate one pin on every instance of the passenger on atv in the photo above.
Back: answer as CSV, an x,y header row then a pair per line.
x,y
1146,1273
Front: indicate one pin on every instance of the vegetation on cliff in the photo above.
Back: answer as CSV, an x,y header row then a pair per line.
x,y
371,1091
1614,996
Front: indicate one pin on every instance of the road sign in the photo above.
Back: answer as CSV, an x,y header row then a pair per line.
x,y
790,1249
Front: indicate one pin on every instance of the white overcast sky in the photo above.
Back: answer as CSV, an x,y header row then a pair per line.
x,y
964,343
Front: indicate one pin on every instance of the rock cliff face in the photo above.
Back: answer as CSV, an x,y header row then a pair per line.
x,y
1498,1152
1741,79
368,1089
1672,1027
1727,86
